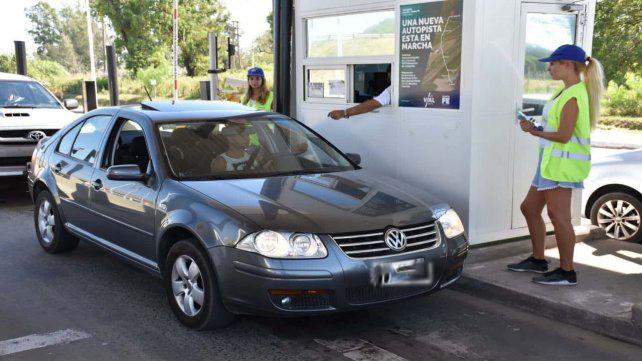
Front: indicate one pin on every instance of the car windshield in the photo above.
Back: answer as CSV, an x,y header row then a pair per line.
x,y
25,94
247,148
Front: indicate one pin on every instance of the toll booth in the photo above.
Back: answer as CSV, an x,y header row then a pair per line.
x,y
461,69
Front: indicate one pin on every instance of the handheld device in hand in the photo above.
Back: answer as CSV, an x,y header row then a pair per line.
x,y
522,116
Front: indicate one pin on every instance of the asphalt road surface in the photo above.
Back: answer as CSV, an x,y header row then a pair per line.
x,y
88,305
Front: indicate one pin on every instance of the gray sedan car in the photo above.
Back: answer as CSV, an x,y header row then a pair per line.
x,y
240,212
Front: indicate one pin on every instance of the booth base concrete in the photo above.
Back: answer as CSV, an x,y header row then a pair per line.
x,y
606,300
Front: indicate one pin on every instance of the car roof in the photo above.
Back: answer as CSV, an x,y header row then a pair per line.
x,y
11,76
182,110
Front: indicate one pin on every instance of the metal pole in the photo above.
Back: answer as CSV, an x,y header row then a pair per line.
x,y
111,75
276,39
21,57
90,36
175,48
282,53
213,66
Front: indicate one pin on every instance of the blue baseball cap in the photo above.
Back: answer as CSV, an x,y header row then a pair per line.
x,y
255,72
567,52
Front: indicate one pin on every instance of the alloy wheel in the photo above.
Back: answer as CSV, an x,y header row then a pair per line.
x,y
46,222
619,219
187,285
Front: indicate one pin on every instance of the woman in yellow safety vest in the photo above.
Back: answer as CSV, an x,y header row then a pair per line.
x,y
257,95
564,159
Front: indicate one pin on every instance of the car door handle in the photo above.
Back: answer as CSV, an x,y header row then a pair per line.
x,y
97,184
57,168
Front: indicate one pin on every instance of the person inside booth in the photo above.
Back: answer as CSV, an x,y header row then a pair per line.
x,y
384,98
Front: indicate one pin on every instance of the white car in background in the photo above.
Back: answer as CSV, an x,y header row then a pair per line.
x,y
28,113
612,197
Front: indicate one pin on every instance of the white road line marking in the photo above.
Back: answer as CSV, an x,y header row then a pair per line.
x,y
40,340
359,350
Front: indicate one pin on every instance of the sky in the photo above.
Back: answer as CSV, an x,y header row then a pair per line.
x,y
14,24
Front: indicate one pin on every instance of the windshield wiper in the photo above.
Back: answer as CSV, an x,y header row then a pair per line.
x,y
18,106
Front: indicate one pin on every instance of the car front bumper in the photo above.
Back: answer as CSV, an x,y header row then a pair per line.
x,y
14,158
253,284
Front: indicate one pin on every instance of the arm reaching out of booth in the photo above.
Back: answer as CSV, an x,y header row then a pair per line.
x,y
367,106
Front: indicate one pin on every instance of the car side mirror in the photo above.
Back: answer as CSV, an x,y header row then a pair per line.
x,y
70,104
354,158
127,172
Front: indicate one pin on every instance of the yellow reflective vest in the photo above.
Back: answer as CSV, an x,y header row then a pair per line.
x,y
267,106
571,161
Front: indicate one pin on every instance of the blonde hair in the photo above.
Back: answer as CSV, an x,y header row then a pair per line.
x,y
593,77
262,91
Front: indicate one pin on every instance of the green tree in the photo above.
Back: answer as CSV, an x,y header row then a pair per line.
x,y
62,35
197,19
45,26
617,39
144,28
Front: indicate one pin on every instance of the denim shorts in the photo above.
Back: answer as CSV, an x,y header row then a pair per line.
x,y
543,184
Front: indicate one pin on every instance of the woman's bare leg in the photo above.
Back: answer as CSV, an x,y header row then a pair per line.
x,y
532,208
558,203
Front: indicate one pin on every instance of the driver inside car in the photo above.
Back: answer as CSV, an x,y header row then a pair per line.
x,y
239,154
7,96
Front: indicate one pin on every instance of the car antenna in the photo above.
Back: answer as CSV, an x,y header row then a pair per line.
x,y
149,96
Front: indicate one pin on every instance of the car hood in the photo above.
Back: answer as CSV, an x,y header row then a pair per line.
x,y
330,203
35,118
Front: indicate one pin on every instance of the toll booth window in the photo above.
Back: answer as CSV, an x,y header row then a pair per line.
x,y
369,81
327,84
363,34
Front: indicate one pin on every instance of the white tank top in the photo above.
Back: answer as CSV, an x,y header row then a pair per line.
x,y
232,164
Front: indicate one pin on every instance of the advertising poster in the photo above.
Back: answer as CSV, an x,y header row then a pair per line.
x,y
430,54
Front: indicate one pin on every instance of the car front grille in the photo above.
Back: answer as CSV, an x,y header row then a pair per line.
x,y
23,133
368,294
372,245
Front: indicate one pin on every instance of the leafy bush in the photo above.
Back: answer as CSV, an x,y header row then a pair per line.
x,y
7,63
46,71
625,100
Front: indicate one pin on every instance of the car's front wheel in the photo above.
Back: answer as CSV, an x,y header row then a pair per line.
x,y
192,289
619,214
52,235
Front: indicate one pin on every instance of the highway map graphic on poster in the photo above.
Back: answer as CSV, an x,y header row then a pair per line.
x,y
430,54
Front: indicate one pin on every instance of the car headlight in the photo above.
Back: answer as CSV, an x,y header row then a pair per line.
x,y
451,224
284,245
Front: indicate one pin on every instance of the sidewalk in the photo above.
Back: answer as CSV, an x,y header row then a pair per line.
x,y
607,299
616,139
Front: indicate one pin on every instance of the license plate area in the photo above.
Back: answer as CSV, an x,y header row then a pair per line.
x,y
412,272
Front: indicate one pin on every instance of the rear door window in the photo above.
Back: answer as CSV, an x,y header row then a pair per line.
x,y
89,138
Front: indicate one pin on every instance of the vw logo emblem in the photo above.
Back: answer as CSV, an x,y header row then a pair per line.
x,y
36,135
395,239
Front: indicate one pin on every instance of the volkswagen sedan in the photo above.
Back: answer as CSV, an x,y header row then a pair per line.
x,y
240,211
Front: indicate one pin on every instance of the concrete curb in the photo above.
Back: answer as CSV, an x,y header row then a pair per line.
x,y
615,145
621,329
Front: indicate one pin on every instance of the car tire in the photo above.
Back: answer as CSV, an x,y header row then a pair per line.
x,y
619,214
191,287
51,233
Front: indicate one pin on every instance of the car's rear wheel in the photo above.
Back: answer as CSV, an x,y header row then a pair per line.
x,y
619,214
191,288
52,235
